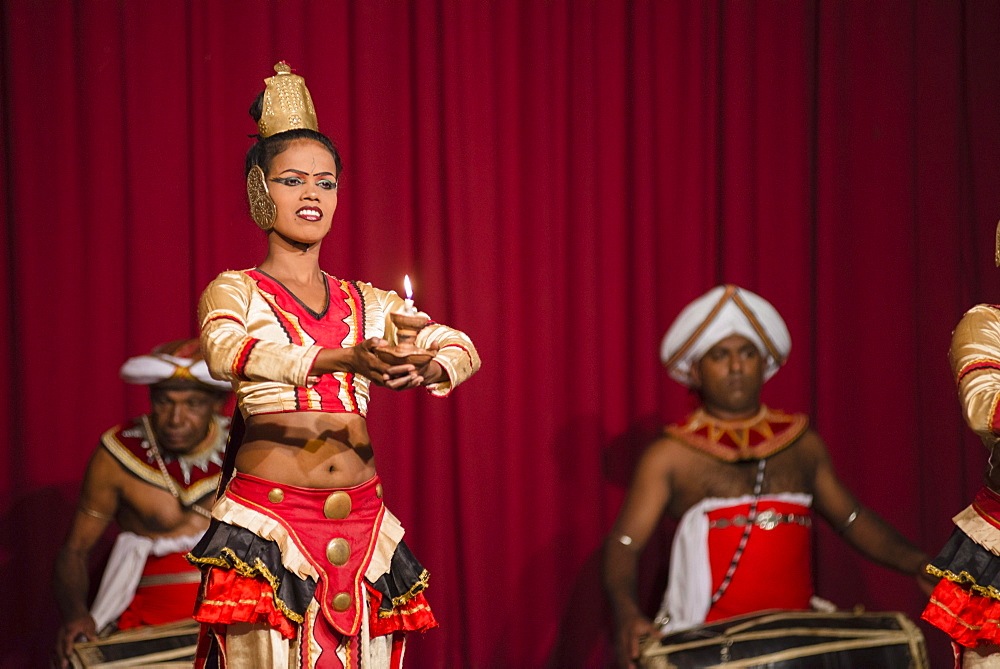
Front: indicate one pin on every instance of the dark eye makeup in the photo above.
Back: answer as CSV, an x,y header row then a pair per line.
x,y
288,181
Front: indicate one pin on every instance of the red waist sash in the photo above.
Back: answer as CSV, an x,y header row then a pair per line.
x,y
774,570
335,529
166,593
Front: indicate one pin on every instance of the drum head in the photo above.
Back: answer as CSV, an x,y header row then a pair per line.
x,y
793,640
166,646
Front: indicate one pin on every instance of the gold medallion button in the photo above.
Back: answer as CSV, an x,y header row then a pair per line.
x,y
338,552
276,495
342,601
337,505
378,490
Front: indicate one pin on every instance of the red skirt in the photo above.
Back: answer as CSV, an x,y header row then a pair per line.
x,y
246,577
966,602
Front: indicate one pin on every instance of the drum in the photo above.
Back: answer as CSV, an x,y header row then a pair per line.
x,y
792,639
169,646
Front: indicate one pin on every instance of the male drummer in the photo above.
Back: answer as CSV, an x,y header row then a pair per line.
x,y
155,476
740,477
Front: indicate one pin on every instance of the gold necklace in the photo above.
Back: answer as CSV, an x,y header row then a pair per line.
x,y
167,478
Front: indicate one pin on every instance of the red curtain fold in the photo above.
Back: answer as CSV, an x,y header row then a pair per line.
x,y
559,179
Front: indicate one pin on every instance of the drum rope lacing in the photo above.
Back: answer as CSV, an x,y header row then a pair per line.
x,y
751,519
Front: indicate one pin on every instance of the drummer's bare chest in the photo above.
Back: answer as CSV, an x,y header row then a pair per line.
x,y
704,476
152,510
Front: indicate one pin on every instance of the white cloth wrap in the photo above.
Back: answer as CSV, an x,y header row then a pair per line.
x,y
689,590
124,570
729,319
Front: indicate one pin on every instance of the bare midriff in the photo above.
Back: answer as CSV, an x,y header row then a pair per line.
x,y
311,449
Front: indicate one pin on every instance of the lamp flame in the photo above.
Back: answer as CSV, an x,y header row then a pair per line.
x,y
407,286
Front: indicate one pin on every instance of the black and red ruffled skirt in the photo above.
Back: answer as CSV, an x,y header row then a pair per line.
x,y
966,602
261,562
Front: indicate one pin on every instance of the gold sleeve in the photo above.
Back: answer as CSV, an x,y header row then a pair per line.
x,y
975,361
226,311
457,354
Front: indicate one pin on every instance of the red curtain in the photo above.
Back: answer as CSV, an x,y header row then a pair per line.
x,y
559,178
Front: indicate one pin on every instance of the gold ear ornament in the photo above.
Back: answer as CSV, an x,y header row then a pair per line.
x,y
262,208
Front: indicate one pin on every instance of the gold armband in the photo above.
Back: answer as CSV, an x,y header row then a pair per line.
x,y
95,514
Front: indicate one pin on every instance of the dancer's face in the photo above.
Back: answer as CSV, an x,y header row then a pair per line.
x,y
302,181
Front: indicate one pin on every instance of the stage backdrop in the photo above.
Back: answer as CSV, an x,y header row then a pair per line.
x,y
559,178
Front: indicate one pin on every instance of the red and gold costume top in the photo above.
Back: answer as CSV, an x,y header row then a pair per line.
x,y
193,476
259,336
975,361
757,437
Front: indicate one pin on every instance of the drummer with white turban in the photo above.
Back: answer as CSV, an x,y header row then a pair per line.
x,y
155,477
742,480
719,313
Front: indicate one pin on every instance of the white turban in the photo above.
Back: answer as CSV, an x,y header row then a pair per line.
x,y
180,359
721,312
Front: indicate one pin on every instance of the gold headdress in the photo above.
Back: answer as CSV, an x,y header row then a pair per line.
x,y
287,104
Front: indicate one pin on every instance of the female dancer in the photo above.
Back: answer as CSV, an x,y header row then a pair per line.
x,y
303,565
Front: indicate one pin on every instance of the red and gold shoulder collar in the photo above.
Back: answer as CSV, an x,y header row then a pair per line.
x,y
194,476
757,437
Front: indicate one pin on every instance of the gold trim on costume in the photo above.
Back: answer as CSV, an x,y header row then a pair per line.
x,y
151,473
965,579
219,602
404,612
730,441
246,570
414,590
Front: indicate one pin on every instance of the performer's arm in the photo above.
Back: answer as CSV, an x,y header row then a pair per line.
x,y
456,359
232,354
98,504
647,498
861,527
975,361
